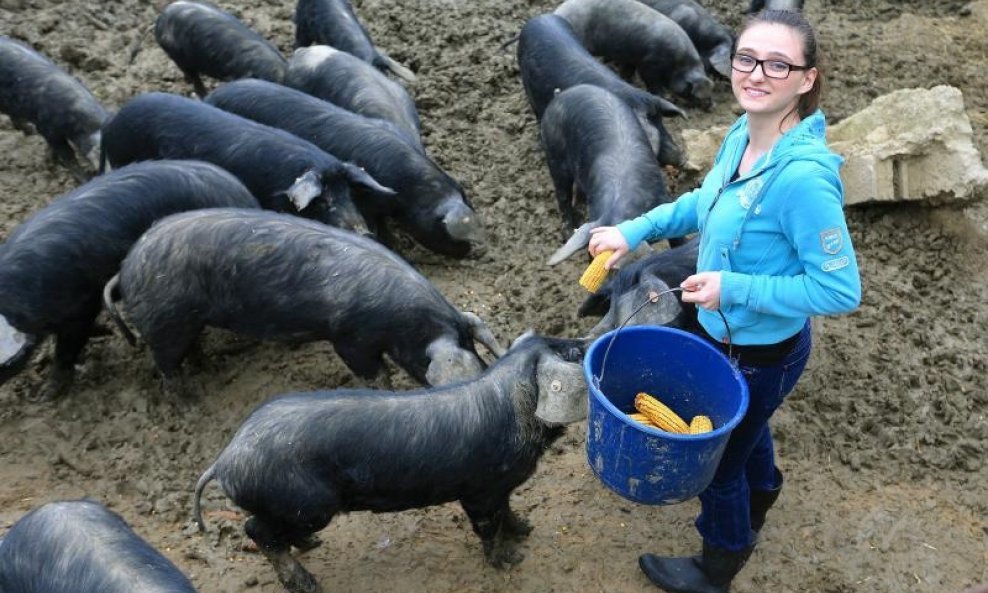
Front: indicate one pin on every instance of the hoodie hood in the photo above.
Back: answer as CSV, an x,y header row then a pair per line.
x,y
807,140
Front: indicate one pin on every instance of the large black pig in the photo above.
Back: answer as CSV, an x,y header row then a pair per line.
x,y
349,82
80,546
203,39
594,145
53,265
272,276
629,32
333,23
285,172
35,91
712,39
626,292
428,204
300,459
552,59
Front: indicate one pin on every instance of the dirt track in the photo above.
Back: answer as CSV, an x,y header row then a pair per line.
x,y
883,443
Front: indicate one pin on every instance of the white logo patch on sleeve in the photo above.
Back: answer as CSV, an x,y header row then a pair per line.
x,y
11,341
832,241
832,265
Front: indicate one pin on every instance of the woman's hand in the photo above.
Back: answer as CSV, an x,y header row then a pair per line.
x,y
607,238
703,289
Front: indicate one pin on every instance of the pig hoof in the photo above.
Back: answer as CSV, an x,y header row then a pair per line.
x,y
51,390
307,543
504,557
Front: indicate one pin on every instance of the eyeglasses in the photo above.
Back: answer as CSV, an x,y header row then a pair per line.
x,y
770,68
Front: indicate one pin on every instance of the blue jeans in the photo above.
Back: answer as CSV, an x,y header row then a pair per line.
x,y
749,458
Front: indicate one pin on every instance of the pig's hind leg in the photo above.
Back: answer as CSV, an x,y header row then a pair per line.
x,y
70,339
169,347
275,536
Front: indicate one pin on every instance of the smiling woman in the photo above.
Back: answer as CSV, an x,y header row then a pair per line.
x,y
774,251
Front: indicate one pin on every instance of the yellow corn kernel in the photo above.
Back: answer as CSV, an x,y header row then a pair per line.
x,y
660,414
641,419
595,273
700,425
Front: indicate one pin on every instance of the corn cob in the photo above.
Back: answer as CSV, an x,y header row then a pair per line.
x,y
641,419
700,425
595,273
660,414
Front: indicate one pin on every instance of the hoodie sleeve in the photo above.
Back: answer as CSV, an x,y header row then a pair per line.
x,y
813,222
675,219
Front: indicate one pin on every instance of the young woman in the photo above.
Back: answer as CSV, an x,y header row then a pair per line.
x,y
774,250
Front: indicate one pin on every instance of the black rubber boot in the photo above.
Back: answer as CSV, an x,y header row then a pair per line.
x,y
762,501
710,573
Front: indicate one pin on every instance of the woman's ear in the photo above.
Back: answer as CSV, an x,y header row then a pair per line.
x,y
809,79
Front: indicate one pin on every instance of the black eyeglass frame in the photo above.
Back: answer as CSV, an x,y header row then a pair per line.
x,y
762,64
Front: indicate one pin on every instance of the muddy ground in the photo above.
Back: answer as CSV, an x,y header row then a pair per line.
x,y
883,443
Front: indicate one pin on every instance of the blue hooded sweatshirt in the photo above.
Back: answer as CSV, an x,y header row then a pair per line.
x,y
777,235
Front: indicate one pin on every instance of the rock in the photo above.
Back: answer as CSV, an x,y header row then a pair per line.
x,y
912,144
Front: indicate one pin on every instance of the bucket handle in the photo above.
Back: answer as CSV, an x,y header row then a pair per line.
x,y
653,297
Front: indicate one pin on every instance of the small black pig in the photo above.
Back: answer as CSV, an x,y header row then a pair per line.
x,y
300,459
634,283
348,82
594,145
35,91
53,265
272,276
333,23
203,39
629,32
284,172
429,204
552,59
80,546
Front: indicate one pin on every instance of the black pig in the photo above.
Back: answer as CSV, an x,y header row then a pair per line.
x,y
285,172
757,5
593,144
629,32
428,204
80,546
300,459
349,82
634,283
552,59
54,265
712,39
203,39
333,23
36,91
272,276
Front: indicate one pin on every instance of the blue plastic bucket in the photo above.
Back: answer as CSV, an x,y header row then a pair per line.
x,y
691,376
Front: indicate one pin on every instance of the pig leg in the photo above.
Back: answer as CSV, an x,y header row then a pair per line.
x,y
565,194
515,525
290,571
364,362
169,347
63,153
23,125
488,520
69,342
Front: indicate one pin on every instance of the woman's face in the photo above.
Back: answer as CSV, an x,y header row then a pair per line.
x,y
762,95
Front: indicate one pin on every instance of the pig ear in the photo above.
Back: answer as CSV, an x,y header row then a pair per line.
x,y
562,390
667,108
357,175
483,334
305,189
579,240
720,59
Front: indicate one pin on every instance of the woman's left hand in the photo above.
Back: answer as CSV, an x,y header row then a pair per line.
x,y
703,289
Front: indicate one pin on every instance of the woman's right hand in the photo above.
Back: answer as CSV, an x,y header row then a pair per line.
x,y
608,238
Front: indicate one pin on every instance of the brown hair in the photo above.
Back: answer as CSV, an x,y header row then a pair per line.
x,y
810,100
